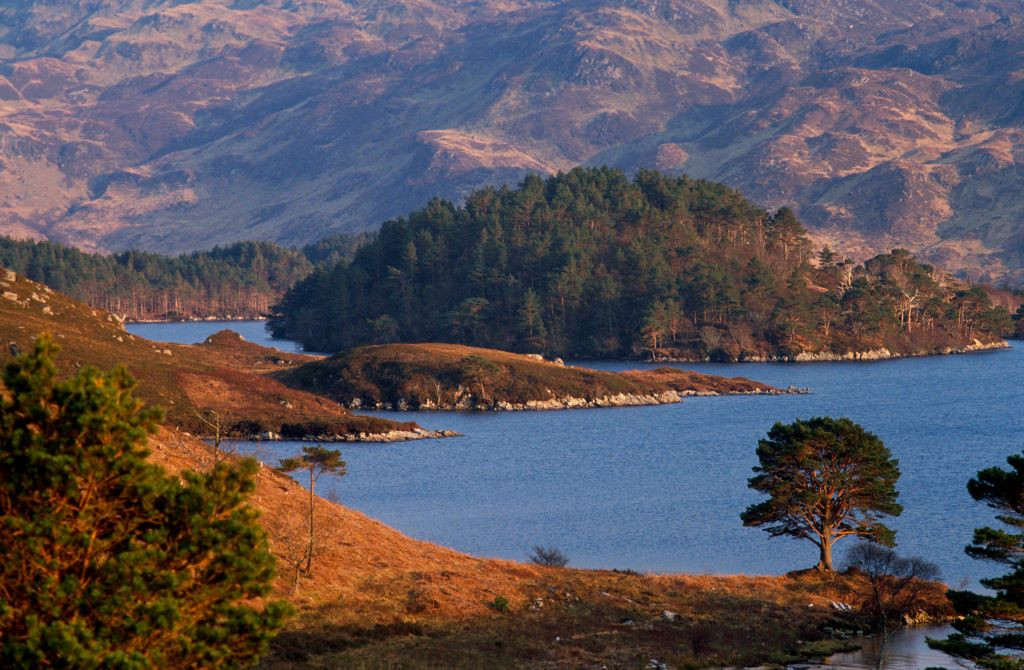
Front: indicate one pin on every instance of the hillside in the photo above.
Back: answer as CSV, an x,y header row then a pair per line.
x,y
170,126
592,264
220,384
378,598
451,376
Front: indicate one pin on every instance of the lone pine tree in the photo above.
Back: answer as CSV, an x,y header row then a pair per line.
x,y
315,460
825,479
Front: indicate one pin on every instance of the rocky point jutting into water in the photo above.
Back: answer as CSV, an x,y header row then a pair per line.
x,y
451,376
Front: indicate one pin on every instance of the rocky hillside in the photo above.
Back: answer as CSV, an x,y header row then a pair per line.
x,y
219,387
173,125
452,376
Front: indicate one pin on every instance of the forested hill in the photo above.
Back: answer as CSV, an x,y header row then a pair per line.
x,y
589,263
239,280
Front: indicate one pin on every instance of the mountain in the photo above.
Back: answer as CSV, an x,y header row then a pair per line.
x,y
175,125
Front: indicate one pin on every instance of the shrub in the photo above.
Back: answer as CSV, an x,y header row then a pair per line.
x,y
549,557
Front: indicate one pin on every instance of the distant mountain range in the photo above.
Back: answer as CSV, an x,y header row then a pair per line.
x,y
174,125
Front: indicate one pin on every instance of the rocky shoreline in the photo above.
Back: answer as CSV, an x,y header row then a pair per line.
x,y
390,436
880,354
470,403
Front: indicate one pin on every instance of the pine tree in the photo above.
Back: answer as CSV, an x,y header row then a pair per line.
x,y
990,631
826,479
531,321
316,460
107,560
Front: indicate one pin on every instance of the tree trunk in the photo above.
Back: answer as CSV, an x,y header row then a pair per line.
x,y
309,549
825,562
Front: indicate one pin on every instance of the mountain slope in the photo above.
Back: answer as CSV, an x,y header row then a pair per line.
x,y
218,386
173,126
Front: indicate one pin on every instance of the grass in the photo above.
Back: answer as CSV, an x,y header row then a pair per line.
x,y
379,599
224,380
454,376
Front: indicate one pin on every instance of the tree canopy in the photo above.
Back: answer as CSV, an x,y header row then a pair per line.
x,y
990,632
107,560
825,479
591,263
241,279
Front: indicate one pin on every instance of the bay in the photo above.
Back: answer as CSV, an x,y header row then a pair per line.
x,y
661,488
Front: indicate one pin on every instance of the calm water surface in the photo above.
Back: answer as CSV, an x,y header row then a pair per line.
x,y
193,332
661,488
905,649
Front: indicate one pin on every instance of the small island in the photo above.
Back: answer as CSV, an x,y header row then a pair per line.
x,y
433,376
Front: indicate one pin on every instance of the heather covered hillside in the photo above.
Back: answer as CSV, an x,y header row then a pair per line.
x,y
590,263
172,126
218,389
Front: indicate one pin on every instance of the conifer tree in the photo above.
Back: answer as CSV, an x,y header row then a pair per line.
x,y
826,479
990,632
107,560
316,460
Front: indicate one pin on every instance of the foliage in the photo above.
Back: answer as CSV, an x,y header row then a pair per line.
x,y
244,278
990,634
549,557
590,263
109,561
500,603
315,460
896,586
826,479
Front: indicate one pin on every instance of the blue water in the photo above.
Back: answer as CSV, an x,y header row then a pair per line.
x,y
193,332
661,488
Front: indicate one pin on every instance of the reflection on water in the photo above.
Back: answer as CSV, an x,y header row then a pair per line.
x,y
906,649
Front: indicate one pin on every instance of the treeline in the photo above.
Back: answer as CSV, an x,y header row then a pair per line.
x,y
240,280
592,264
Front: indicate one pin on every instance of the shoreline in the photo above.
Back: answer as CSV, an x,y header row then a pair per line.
x,y
198,319
669,397
870,355
390,436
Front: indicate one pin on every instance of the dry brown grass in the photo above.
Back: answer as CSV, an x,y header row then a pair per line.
x,y
379,599
453,375
223,379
